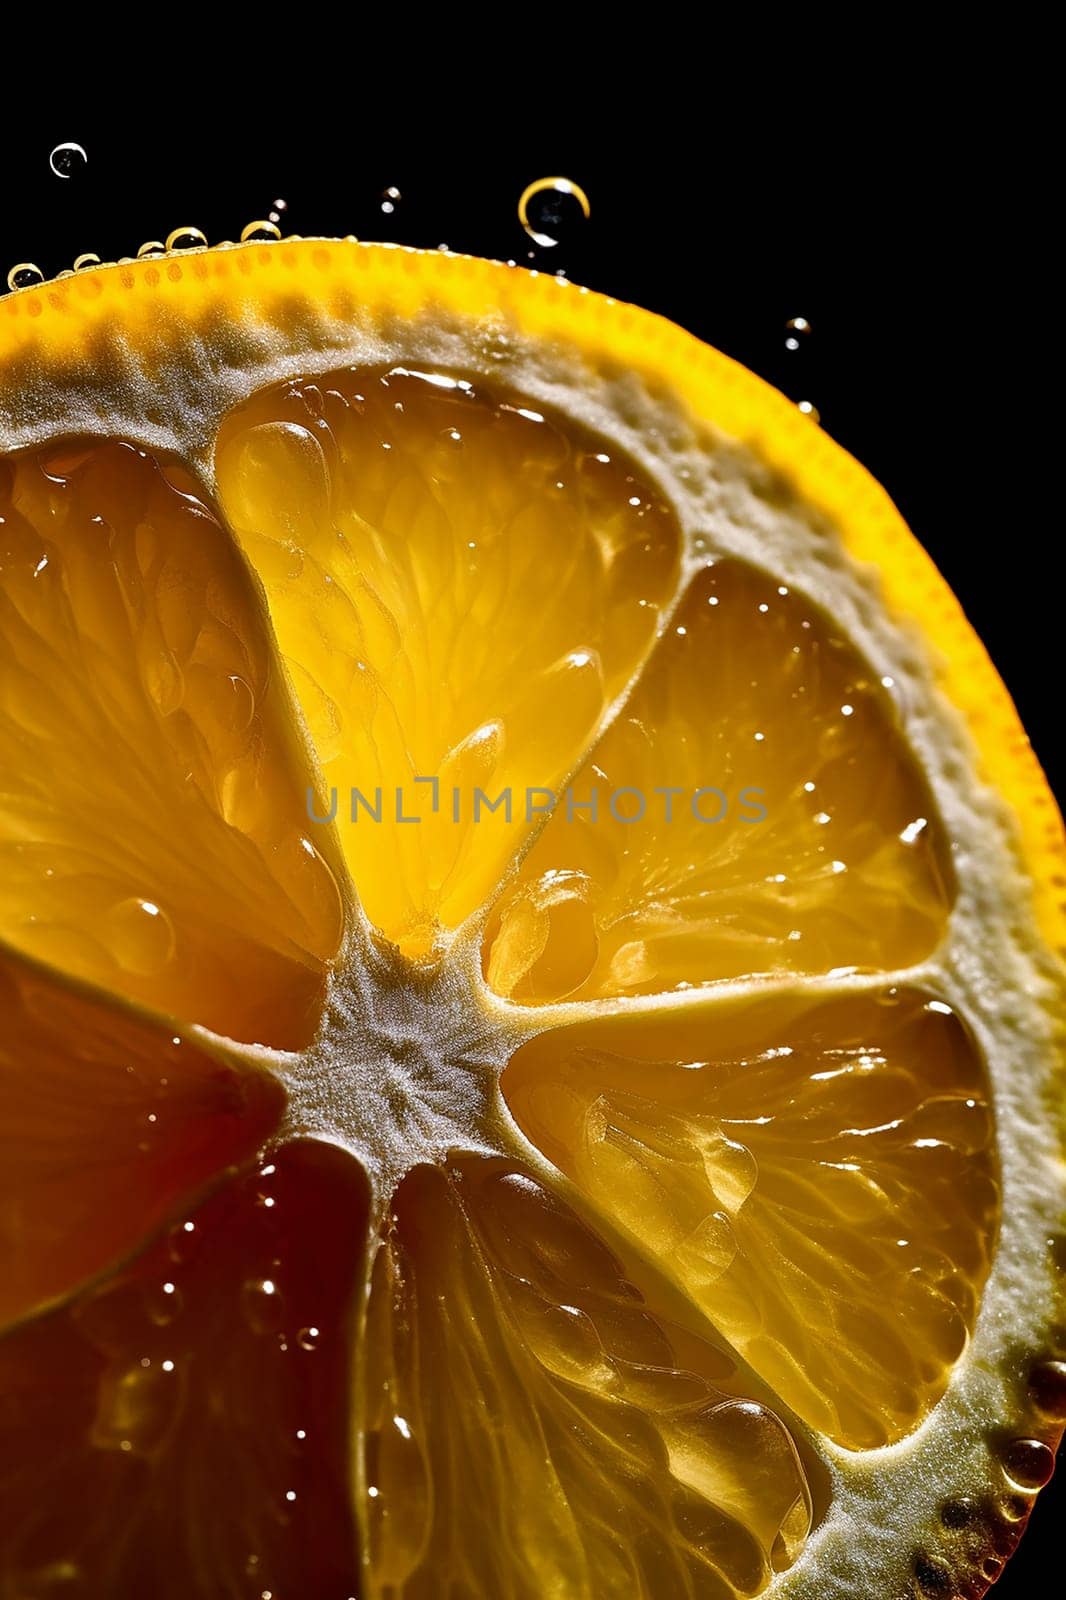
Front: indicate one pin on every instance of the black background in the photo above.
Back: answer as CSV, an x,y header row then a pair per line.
x,y
902,232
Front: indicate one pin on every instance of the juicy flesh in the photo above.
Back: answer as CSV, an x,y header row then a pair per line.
x,y
749,1217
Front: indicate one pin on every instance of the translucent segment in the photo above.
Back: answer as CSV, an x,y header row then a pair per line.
x,y
183,1431
459,585
785,825
819,1177
531,1435
106,1127
153,829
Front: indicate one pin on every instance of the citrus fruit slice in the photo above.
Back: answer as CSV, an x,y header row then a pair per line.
x,y
530,949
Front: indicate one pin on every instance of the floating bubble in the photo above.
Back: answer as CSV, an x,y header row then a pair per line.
x,y
67,159
552,209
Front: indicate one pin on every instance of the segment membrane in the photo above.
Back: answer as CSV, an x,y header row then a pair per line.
x,y
459,586
756,811
531,1433
819,1176
152,830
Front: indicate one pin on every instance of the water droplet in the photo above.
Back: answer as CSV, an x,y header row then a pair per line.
x,y
390,199
24,274
308,1338
280,205
140,935
186,239
87,259
552,210
810,410
1047,1385
263,1305
164,1303
67,159
796,330
264,230
152,247
1029,1463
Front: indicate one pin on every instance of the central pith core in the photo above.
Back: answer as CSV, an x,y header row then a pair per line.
x,y
404,1067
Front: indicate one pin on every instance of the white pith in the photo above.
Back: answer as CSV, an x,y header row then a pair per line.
x,y
426,1055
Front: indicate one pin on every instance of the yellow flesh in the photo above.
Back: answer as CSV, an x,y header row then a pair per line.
x,y
463,587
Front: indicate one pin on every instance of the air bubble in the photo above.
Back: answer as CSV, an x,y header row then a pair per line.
x,y
551,210
67,159
24,275
308,1338
186,239
263,230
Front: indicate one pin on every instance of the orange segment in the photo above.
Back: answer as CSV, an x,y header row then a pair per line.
x,y
183,1431
146,751
108,1125
800,835
459,585
518,1383
819,1176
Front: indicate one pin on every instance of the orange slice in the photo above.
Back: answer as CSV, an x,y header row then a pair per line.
x,y
530,952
